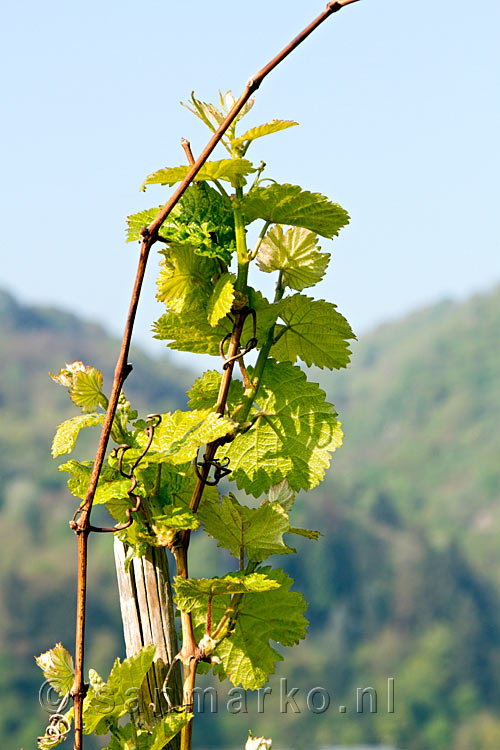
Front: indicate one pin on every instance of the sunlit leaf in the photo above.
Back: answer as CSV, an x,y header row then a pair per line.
x,y
191,592
229,170
259,531
313,331
295,432
68,431
221,300
289,204
247,656
271,127
184,280
57,667
296,254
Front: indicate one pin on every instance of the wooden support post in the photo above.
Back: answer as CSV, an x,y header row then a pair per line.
x,y
148,617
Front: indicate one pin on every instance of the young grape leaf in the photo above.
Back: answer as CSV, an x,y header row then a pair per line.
x,y
167,729
221,300
213,117
247,656
112,490
271,127
296,254
314,331
289,204
67,432
189,332
179,435
84,384
193,592
116,697
203,219
167,498
176,485
204,392
208,113
164,527
86,391
134,738
185,279
236,527
293,436
231,170
57,667
111,485
135,222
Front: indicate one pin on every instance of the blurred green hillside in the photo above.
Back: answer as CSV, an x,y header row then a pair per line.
x,y
405,584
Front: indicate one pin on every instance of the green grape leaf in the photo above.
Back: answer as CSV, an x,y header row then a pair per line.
x,y
111,485
179,435
113,699
130,738
168,501
112,490
271,127
314,331
137,221
193,592
84,384
57,667
208,113
86,391
231,170
283,494
213,117
289,204
236,527
67,432
190,333
177,484
247,656
134,738
203,219
164,527
167,729
184,280
296,254
293,436
204,392
221,300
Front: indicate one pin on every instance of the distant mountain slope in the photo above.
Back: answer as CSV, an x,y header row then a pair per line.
x,y
36,340
404,583
421,413
37,550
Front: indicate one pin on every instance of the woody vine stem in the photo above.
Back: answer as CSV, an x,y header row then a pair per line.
x,y
191,652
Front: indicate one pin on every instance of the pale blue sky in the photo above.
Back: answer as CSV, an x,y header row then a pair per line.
x,y
398,105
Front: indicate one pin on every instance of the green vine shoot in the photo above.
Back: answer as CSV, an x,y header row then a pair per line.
x,y
265,428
